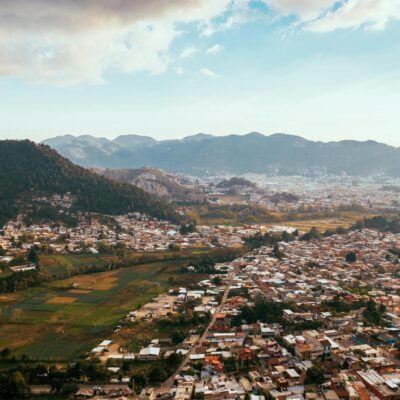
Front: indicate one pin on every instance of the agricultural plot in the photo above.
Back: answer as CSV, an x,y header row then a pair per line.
x,y
322,224
60,266
71,316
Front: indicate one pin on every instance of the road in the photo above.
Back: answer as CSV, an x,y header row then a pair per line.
x,y
167,385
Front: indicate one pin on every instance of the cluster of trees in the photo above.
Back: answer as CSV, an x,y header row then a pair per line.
x,y
262,311
18,281
185,319
373,313
39,212
236,181
27,168
312,234
339,305
205,264
13,385
157,373
315,376
269,239
187,228
380,223
21,280
284,196
14,382
351,257
270,312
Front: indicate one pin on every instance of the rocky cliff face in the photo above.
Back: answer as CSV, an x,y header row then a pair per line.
x,y
151,180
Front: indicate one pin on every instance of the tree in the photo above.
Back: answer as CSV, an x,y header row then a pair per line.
x,y
312,234
139,381
5,353
372,314
157,374
33,255
315,376
277,252
69,388
187,228
174,360
173,247
351,257
217,280
17,385
177,337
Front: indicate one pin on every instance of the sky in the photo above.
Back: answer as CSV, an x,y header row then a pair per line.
x,y
322,69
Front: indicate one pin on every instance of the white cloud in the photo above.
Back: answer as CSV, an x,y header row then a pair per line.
x,y
189,51
372,14
208,72
240,13
304,9
214,49
330,15
71,41
179,71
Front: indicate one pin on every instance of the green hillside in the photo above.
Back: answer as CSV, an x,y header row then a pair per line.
x,y
28,169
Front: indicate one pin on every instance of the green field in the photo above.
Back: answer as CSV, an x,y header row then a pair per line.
x,y
345,220
59,266
71,316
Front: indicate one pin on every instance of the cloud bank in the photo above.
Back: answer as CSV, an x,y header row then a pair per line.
x,y
73,41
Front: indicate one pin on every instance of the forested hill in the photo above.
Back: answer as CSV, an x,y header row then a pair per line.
x,y
28,169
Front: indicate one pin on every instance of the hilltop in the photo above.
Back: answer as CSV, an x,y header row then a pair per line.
x,y
151,180
203,154
29,170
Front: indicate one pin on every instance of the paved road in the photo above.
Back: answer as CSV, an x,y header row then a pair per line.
x,y
167,385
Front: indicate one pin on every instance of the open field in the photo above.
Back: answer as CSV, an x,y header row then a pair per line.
x,y
59,322
344,220
60,266
238,215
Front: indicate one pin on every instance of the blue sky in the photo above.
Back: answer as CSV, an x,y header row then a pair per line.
x,y
321,69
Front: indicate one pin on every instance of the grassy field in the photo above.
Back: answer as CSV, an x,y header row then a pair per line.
x,y
322,224
62,265
71,316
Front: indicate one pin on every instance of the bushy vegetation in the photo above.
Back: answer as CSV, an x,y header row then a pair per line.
x,y
262,311
14,382
373,314
382,224
235,181
269,239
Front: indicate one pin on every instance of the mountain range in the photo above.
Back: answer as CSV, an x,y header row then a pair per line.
x,y
203,154
29,170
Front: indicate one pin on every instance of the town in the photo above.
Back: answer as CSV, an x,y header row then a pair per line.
x,y
305,315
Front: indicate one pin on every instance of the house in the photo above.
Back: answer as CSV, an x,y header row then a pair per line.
x,y
149,353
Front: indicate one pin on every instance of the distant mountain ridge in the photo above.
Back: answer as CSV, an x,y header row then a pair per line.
x,y
204,154
28,170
